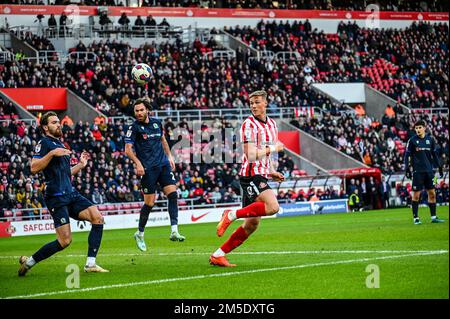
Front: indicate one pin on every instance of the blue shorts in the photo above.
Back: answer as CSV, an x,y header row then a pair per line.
x,y
162,175
65,206
422,180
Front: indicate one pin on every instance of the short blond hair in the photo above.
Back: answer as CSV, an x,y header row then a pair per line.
x,y
258,93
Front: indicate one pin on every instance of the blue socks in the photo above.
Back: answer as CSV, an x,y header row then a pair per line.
x,y
173,208
94,240
143,217
432,209
47,250
415,209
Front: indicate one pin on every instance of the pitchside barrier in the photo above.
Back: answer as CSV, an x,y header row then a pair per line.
x,y
313,208
192,216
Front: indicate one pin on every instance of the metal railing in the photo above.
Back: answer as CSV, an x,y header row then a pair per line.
x,y
212,114
81,31
27,121
27,214
6,56
284,56
429,111
221,54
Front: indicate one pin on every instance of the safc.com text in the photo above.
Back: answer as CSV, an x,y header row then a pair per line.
x,y
38,227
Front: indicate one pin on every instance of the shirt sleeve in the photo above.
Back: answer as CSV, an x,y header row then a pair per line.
x,y
161,127
435,153
408,153
130,137
248,133
40,150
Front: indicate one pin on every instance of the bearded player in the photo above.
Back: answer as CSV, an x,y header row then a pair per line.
x,y
62,200
259,137
147,147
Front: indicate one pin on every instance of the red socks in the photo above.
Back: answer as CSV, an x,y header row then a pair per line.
x,y
235,240
239,236
253,210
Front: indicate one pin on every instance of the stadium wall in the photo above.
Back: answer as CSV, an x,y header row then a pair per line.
x,y
319,152
197,216
207,18
376,102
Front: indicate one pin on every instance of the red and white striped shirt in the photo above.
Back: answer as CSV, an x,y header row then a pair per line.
x,y
262,134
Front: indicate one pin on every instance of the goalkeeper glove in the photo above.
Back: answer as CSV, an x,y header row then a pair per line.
x,y
408,174
441,172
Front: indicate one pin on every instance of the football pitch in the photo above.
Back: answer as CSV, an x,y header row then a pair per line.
x,y
375,254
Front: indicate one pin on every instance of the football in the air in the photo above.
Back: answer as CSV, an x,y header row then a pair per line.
x,y
142,73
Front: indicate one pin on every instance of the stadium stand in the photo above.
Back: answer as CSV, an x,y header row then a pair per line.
x,y
378,144
413,73
186,79
391,5
110,176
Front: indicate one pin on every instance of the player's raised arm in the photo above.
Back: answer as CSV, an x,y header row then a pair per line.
x,y
254,154
40,161
82,164
248,140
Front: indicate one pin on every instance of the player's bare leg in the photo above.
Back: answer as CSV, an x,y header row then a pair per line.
x,y
149,202
171,192
92,215
64,238
266,204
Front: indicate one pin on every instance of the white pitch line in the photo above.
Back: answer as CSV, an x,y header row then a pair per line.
x,y
231,273
292,252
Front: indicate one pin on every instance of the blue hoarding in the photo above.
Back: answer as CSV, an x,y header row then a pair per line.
x,y
312,208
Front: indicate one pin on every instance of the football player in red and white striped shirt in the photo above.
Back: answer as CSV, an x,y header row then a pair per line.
x,y
259,137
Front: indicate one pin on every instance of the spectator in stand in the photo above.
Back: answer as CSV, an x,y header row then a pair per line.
x,y
150,22
52,24
124,21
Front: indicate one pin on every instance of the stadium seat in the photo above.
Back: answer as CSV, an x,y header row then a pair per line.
x,y
8,213
136,205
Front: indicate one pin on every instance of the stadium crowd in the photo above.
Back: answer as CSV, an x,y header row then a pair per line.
x,y
110,175
409,64
184,79
389,5
376,143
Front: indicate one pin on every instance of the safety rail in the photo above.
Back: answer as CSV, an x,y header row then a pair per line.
x,y
80,31
28,121
225,113
267,55
6,56
82,55
221,54
27,214
429,111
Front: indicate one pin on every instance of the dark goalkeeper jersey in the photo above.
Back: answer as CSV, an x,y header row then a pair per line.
x,y
422,154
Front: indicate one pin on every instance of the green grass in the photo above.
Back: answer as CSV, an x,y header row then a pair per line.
x,y
315,273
